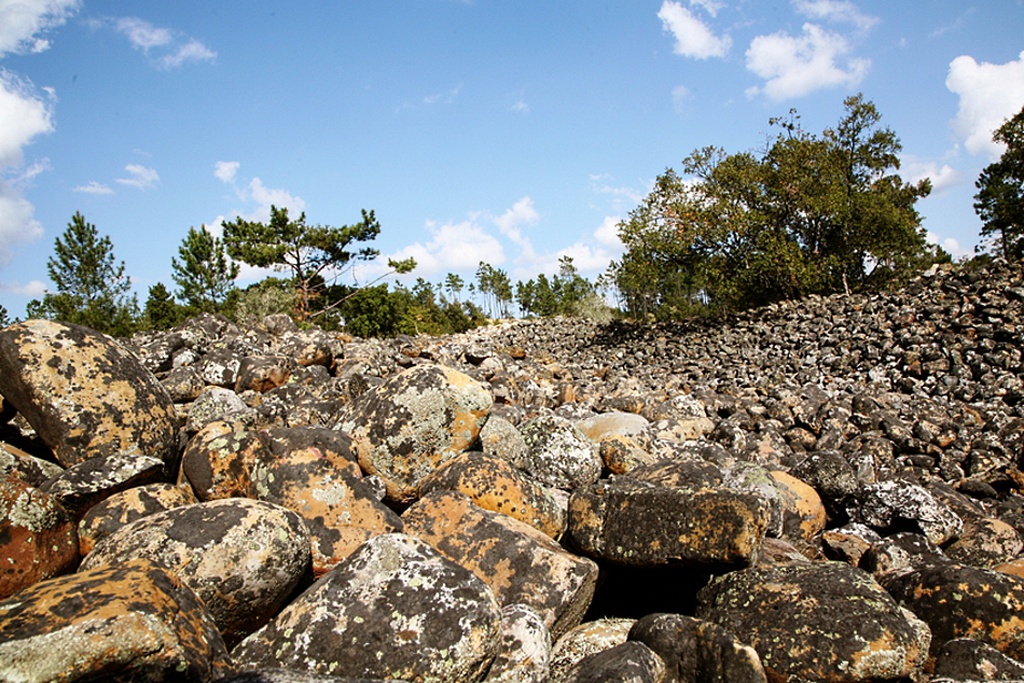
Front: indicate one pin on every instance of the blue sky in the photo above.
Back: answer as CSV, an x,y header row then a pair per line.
x,y
486,130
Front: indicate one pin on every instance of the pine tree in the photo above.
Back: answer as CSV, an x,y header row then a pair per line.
x,y
205,275
92,288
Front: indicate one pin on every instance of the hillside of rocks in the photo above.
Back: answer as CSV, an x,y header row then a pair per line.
x,y
822,490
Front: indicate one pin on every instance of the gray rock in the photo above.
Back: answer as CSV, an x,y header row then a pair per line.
x,y
892,505
81,486
520,564
407,427
696,651
559,454
394,609
524,655
242,557
630,662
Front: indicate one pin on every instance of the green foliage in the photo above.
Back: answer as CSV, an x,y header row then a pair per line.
x,y
161,312
1000,198
92,288
204,274
308,252
496,288
567,293
254,303
812,214
4,320
377,312
372,312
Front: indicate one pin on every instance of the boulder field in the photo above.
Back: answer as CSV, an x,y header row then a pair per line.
x,y
822,490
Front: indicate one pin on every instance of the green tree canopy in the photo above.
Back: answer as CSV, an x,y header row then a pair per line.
x,y
204,275
812,214
92,288
1000,199
160,311
308,252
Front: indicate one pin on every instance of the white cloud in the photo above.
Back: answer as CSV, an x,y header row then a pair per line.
x,y
169,48
710,6
950,244
34,289
521,107
280,198
693,37
17,221
521,213
942,177
796,66
192,51
453,247
23,116
989,94
140,177
225,170
836,11
608,232
22,20
142,34
93,187
587,258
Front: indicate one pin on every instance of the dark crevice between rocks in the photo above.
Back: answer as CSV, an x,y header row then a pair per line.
x,y
634,592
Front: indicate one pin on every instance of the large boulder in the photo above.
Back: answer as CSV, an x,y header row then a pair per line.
x,y
395,608
243,557
37,537
819,621
519,563
960,601
85,394
638,524
494,484
408,426
308,476
133,622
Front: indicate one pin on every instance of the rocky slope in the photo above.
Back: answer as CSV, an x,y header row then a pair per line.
x,y
820,490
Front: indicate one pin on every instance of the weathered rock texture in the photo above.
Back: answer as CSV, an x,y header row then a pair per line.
x,y
822,490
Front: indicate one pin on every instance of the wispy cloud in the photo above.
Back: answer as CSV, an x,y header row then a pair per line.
x,y
93,187
168,49
989,94
140,177
443,97
836,12
22,22
794,66
693,37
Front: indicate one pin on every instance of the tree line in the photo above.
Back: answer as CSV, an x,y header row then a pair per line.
x,y
807,214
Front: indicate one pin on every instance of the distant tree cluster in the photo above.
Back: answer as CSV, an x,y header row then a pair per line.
x,y
811,214
1000,199
808,214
